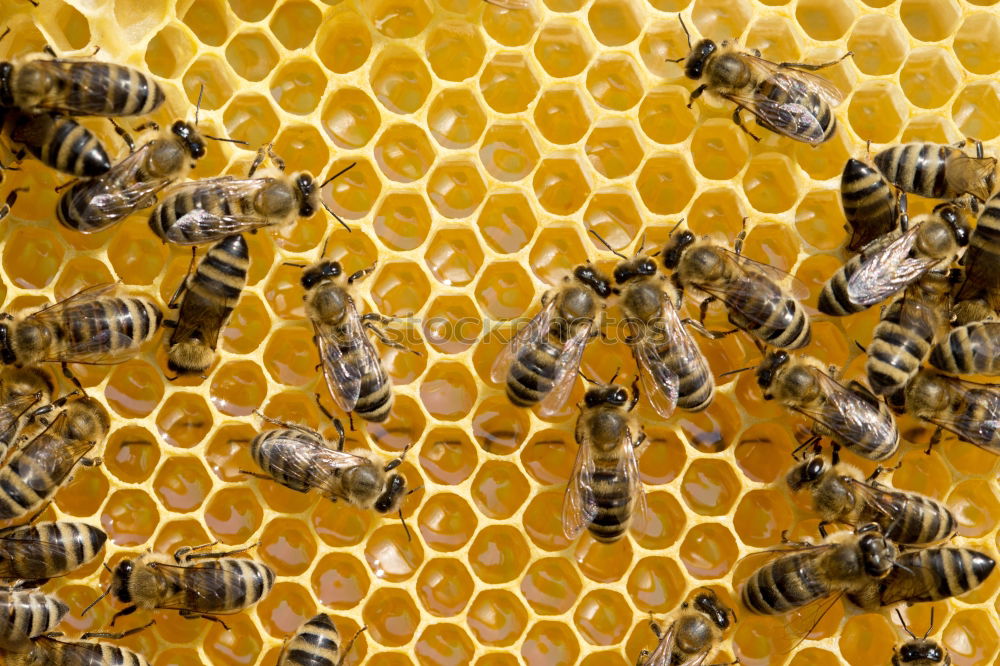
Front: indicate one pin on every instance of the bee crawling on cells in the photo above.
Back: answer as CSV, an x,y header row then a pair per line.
x,y
784,97
703,622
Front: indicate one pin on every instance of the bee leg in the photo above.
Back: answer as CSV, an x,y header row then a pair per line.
x,y
935,439
821,528
189,554
256,475
126,137
384,337
9,201
635,394
92,462
361,274
118,636
393,464
188,615
740,238
350,644
257,161
788,542
814,68
278,162
641,661
696,93
182,287
739,123
123,613
286,424
336,423
804,445
711,335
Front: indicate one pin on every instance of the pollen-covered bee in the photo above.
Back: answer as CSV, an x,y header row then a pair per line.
x,y
919,651
750,290
906,331
973,349
698,629
25,614
98,325
207,299
784,97
938,172
196,584
21,390
849,415
540,363
301,459
604,490
36,470
845,564
355,376
674,371
61,143
841,494
316,643
896,260
966,409
869,203
49,649
982,260
35,553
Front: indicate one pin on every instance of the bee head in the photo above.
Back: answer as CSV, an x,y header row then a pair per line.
x,y
308,194
392,495
591,277
952,216
876,555
120,581
628,270
675,249
695,64
769,368
190,138
324,270
606,395
18,382
920,651
805,474
705,601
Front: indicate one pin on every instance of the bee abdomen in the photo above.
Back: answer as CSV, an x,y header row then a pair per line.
x,y
788,327
791,90
62,144
614,506
50,549
75,212
18,497
278,453
868,203
316,644
834,299
697,386
29,613
782,585
940,573
222,274
532,374
375,397
896,353
969,349
126,323
917,168
243,582
919,520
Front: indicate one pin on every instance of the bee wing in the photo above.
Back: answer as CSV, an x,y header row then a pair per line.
x,y
662,654
201,316
628,469
197,585
15,548
796,286
205,224
121,191
851,411
303,464
55,311
566,369
11,413
530,335
982,430
910,580
661,383
888,270
579,506
813,82
343,373
971,174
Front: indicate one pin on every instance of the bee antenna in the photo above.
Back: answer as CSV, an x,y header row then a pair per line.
x,y
931,626
642,244
335,216
586,377
615,376
674,228
197,106
736,372
903,622
406,529
98,599
219,138
289,263
338,174
5,33
605,243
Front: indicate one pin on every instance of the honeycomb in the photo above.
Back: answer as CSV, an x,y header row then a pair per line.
x,y
487,143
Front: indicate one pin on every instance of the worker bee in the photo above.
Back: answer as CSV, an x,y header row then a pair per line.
x,y
196,584
604,488
25,614
972,349
750,290
47,550
896,260
869,203
798,576
21,389
840,494
850,415
938,172
37,469
540,363
209,297
205,211
906,332
982,259
61,143
928,574
966,409
316,643
919,651
702,624
301,459
784,97
355,376
46,650
674,371
98,325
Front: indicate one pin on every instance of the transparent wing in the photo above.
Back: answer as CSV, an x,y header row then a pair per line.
x,y
54,312
813,83
120,191
911,581
628,469
17,548
203,225
661,655
10,416
200,316
303,463
529,336
343,372
971,174
851,413
71,81
790,119
566,369
888,270
660,382
579,505
795,285
206,583
980,426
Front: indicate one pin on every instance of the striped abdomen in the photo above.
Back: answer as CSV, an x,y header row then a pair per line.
x,y
834,299
286,455
374,387
899,348
84,653
532,374
613,499
971,349
63,144
762,309
86,88
982,258
934,573
124,324
787,89
918,168
785,584
211,195
869,205
34,473
47,550
871,433
979,420
215,289
27,614
225,585
316,644
696,386
913,519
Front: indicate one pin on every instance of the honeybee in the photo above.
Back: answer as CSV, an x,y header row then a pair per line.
x,y
840,494
316,643
205,211
37,469
97,325
972,349
47,550
895,261
919,651
750,290
783,97
196,584
61,143
938,172
849,415
674,371
25,614
355,377
21,389
928,574
702,624
604,489
301,459
207,299
907,329
869,203
968,410
805,573
982,259
540,363
46,650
